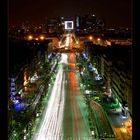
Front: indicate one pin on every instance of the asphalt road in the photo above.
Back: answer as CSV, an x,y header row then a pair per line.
x,y
51,123
75,124
66,115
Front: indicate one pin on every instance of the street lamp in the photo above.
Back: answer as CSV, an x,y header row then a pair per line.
x,y
90,37
42,37
30,37
36,39
98,39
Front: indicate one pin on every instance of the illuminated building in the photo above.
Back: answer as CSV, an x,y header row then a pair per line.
x,y
122,84
88,24
114,65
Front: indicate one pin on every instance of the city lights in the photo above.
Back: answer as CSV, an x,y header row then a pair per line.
x,y
90,37
30,37
36,37
68,25
70,78
42,37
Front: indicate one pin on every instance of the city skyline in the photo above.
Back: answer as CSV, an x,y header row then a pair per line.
x,y
114,13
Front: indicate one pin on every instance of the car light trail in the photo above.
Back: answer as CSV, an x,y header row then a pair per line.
x,y
51,125
64,59
67,41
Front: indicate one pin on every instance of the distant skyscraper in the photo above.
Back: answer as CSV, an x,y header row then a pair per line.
x,y
88,23
77,21
78,24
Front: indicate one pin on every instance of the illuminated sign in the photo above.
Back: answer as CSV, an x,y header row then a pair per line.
x,y
68,25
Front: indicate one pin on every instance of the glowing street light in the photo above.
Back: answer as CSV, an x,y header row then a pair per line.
x,y
30,37
42,37
90,37
98,39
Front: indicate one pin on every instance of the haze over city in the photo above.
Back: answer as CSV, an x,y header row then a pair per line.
x,y
114,12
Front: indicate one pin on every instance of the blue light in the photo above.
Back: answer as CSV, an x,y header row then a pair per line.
x,y
12,97
19,106
12,79
90,66
49,55
16,102
84,54
98,78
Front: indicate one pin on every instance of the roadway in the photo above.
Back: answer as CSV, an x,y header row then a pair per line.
x,y
51,124
65,115
75,124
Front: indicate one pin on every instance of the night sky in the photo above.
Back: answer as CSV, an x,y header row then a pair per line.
x,y
114,12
